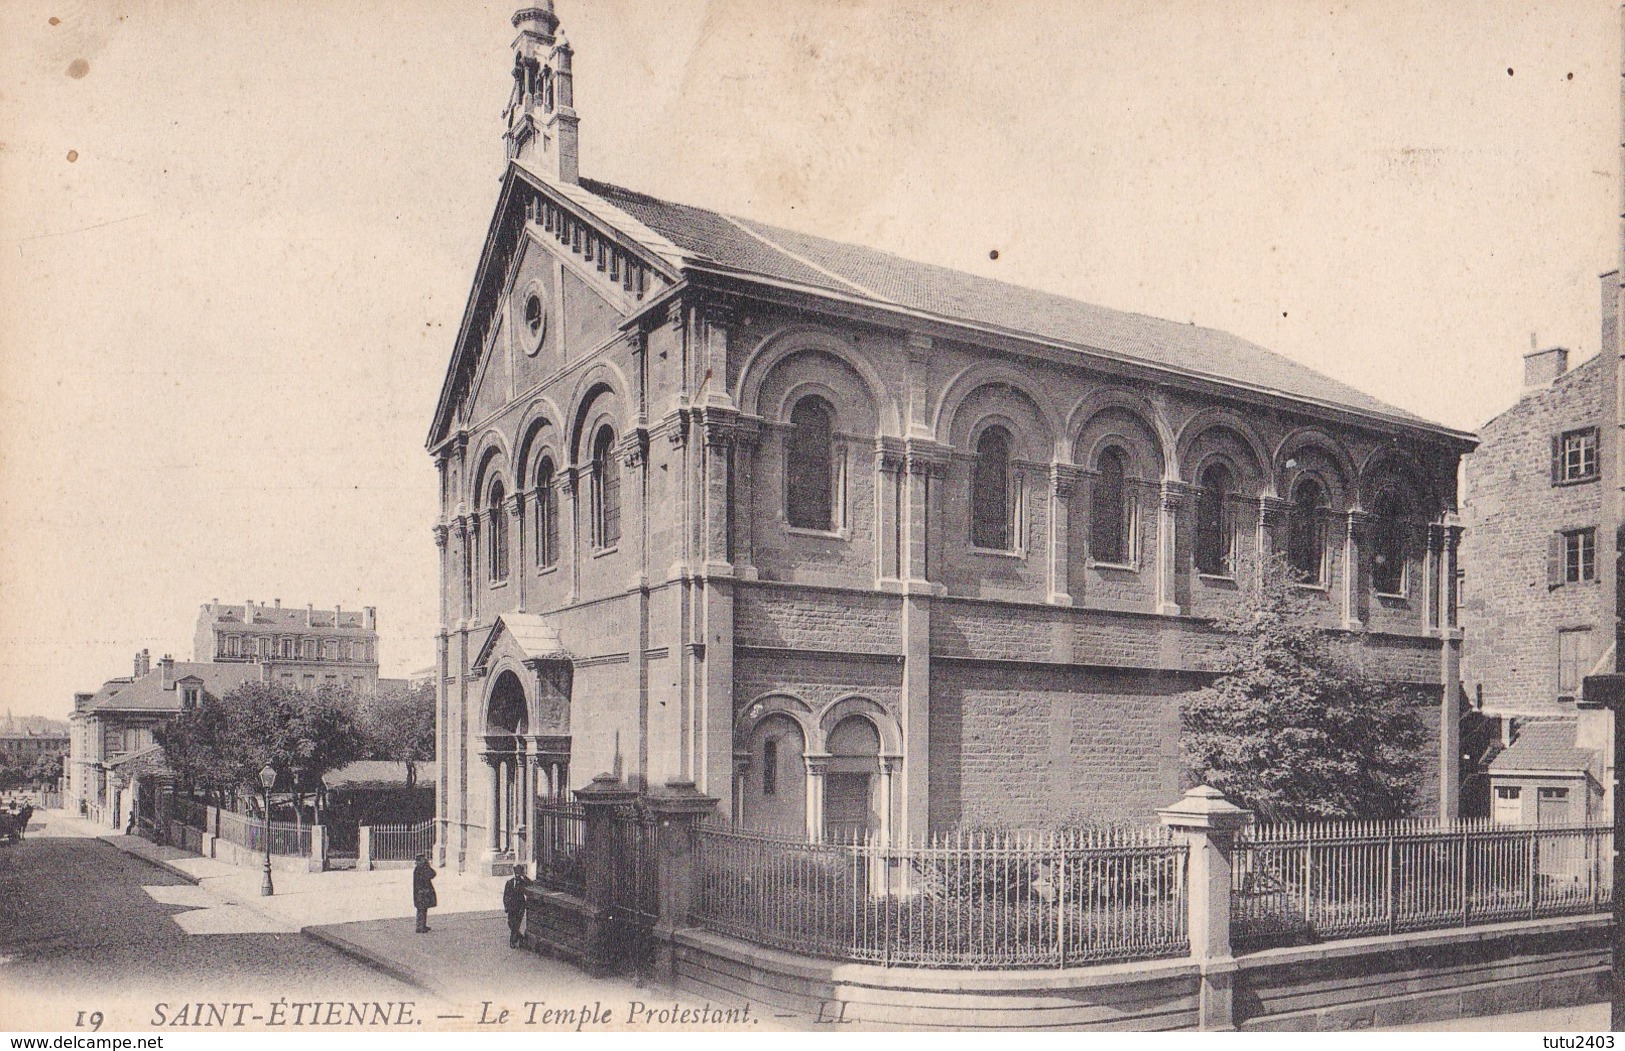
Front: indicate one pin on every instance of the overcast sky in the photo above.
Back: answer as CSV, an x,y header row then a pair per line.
x,y
236,239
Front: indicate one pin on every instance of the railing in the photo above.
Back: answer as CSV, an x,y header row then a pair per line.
x,y
561,837
402,841
971,900
1342,880
286,840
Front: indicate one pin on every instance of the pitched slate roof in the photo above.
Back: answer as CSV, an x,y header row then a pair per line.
x,y
758,249
1545,746
148,694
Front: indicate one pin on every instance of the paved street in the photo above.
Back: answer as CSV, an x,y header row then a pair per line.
x,y
116,924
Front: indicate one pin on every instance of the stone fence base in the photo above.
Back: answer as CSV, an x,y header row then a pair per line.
x,y
1354,984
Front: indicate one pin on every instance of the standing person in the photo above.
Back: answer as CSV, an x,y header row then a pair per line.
x,y
513,903
423,898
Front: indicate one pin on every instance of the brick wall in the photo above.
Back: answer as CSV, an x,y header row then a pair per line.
x,y
1510,614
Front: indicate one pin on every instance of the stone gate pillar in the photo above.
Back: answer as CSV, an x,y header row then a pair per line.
x,y
599,801
679,807
1208,822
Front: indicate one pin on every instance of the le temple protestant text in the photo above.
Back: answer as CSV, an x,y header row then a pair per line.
x,y
285,1013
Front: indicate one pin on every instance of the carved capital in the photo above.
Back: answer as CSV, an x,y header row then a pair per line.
x,y
634,448
516,504
1065,478
1358,523
440,529
1174,495
1272,510
459,528
889,455
817,765
926,458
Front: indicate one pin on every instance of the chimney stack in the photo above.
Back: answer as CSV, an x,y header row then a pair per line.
x,y
1542,367
369,617
310,615
277,602
166,667
248,611
143,663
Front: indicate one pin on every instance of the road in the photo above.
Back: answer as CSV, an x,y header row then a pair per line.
x,y
83,925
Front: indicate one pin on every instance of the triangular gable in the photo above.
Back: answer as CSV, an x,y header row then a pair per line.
x,y
525,637
620,258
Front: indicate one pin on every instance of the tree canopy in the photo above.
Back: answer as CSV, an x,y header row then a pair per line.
x,y
1295,729
398,722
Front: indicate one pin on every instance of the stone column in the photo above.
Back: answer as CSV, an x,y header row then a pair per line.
x,y
473,559
1208,822
1356,528
1272,511
599,801
1064,480
1173,497
516,546
718,464
569,529
459,530
888,527
493,763
817,767
679,808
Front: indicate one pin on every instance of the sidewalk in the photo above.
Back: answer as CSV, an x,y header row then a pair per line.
x,y
462,962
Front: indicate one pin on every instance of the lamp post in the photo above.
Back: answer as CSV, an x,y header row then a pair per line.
x,y
267,782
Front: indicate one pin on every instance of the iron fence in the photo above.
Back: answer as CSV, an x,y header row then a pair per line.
x,y
632,837
287,840
963,900
401,841
1297,882
561,840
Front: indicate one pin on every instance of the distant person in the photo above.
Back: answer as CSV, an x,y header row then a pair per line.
x,y
513,903
423,898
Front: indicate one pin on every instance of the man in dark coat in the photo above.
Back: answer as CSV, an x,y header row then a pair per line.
x,y
423,898
513,903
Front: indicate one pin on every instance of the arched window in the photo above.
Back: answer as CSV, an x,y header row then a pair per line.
x,y
547,516
1109,517
1389,534
808,474
1215,522
990,491
606,490
1306,532
497,551
770,766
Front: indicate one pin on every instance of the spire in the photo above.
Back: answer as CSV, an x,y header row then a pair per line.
x,y
541,116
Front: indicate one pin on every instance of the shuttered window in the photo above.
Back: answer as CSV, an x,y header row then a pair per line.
x,y
1574,456
1571,557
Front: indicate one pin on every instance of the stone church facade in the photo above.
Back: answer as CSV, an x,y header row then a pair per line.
x,y
857,544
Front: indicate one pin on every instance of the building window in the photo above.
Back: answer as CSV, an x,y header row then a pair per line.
x,y
1574,456
606,490
1306,532
1215,522
497,550
809,476
1508,805
1110,518
287,646
189,697
330,649
770,767
990,491
1571,557
1389,543
1573,652
547,516
1551,806
310,649
264,645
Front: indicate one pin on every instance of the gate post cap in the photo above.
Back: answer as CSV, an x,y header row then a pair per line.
x,y
1204,808
680,796
606,788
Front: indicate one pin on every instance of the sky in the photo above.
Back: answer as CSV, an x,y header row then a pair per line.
x,y
236,239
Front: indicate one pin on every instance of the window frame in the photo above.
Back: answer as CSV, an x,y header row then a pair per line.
x,y
547,515
606,486
1392,517
1127,513
1315,530
498,565
1580,555
1574,662
1575,445
1209,499
1011,516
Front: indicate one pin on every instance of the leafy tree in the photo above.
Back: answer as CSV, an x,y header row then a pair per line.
x,y
46,770
197,747
1295,729
296,732
11,776
399,725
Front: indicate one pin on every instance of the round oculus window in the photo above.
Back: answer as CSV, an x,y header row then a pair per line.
x,y
535,321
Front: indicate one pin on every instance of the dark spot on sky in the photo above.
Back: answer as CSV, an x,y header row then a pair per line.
x,y
55,21
1571,76
1509,71
73,155
993,254
78,68
1283,313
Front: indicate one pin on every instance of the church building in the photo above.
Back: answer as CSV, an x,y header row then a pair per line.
x,y
862,545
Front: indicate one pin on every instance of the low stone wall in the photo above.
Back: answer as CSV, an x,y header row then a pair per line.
x,y
566,927
1426,976
1359,983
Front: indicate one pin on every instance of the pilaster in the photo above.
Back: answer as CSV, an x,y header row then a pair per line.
x,y
1172,499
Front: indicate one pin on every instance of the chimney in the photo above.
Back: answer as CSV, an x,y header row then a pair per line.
x,y
248,611
310,615
542,122
1542,367
369,617
277,602
166,668
1610,310
143,663
81,701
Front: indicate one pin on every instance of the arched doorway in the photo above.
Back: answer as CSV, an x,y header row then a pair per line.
x,y
506,723
774,796
852,780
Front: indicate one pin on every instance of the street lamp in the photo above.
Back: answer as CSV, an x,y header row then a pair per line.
x,y
267,781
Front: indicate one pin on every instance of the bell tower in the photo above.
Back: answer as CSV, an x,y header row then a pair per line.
x,y
542,122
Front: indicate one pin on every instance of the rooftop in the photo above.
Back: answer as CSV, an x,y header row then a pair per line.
x,y
1545,745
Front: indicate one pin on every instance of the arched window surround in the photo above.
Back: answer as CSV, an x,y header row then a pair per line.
x,y
547,514
497,535
814,467
1389,535
1307,550
1113,511
996,496
606,490
1216,520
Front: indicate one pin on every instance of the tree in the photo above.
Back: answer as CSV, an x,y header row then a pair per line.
x,y
399,725
11,776
46,770
198,748
1295,729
